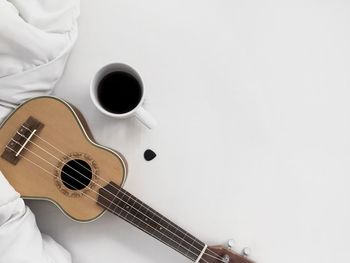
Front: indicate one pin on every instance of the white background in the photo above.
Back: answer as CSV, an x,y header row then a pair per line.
x,y
253,141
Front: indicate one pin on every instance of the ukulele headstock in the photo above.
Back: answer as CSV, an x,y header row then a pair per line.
x,y
222,254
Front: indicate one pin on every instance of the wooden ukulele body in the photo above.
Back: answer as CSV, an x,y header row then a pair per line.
x,y
46,153
62,138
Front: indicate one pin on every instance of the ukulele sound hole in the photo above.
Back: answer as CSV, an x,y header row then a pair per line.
x,y
76,174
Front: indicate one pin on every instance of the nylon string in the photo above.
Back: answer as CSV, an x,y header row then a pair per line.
x,y
99,177
115,196
106,207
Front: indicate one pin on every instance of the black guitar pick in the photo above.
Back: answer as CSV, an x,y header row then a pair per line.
x,y
149,155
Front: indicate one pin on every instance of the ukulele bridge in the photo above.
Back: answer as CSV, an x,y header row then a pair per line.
x,y
21,140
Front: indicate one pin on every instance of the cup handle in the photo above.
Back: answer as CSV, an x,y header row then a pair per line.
x,y
147,119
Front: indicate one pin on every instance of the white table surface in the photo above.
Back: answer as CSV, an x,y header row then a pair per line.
x,y
253,141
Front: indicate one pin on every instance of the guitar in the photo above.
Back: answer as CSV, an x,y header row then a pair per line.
x,y
47,152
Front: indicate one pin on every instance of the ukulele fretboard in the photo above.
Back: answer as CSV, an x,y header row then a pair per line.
x,y
128,207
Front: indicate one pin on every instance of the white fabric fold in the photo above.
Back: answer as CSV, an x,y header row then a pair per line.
x,y
36,37
20,238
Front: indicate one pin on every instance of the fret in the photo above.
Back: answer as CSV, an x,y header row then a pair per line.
x,y
128,207
149,219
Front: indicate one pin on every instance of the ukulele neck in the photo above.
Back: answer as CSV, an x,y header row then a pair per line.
x,y
126,206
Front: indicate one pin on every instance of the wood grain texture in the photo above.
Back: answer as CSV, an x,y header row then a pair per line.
x,y
64,130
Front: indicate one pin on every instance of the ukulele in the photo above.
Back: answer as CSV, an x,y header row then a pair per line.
x,y
47,153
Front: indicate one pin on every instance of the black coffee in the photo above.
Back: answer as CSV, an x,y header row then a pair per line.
x,y
119,92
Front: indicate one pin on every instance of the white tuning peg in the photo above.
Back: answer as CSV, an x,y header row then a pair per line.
x,y
230,243
246,252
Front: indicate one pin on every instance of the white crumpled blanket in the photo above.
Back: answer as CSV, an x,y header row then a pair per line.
x,y
36,37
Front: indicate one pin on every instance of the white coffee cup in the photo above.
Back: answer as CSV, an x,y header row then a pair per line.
x,y
138,111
